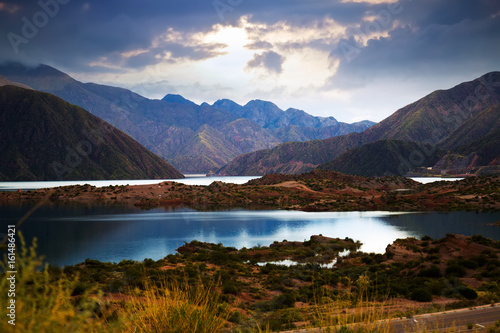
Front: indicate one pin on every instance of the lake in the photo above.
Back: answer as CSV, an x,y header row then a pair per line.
x,y
189,180
69,234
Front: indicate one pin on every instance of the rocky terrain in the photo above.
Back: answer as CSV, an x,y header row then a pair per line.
x,y
314,191
412,277
462,120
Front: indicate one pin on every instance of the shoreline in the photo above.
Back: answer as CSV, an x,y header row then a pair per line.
x,y
311,192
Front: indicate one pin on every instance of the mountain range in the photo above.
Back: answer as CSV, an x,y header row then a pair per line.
x,y
193,138
43,137
461,122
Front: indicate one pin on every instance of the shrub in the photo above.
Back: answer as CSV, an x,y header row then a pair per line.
x,y
481,240
436,287
455,271
467,292
421,295
229,288
431,272
235,317
470,264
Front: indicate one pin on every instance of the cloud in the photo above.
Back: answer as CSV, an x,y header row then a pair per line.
x,y
335,55
437,49
270,60
372,2
259,45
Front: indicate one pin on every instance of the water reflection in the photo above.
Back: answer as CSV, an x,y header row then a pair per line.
x,y
68,235
12,186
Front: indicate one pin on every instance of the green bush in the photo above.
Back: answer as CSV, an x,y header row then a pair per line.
x,y
431,272
229,288
235,317
455,271
470,264
467,292
421,295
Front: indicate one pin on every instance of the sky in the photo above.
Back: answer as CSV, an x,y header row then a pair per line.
x,y
350,59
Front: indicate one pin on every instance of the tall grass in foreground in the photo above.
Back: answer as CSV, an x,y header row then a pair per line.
x,y
42,303
175,308
351,311
49,303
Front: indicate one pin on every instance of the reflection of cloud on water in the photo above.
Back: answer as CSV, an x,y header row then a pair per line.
x,y
68,235
366,227
9,186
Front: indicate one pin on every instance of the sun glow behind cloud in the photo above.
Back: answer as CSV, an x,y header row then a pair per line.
x,y
304,51
205,66
292,56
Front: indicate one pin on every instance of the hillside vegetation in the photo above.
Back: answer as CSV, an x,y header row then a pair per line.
x,y
43,137
449,118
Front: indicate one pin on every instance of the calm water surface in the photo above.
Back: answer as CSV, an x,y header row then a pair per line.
x,y
189,180
70,234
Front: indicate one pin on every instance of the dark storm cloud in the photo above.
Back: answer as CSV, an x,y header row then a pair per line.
x,y
269,60
432,38
82,31
424,34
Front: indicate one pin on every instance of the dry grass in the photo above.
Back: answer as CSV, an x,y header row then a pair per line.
x,y
44,304
175,308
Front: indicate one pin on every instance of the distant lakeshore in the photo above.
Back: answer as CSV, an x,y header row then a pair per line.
x,y
314,191
191,179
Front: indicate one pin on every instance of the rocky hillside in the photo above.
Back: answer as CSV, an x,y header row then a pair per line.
x,y
42,137
431,120
473,148
381,158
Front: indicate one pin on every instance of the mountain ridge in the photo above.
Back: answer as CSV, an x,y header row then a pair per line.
x,y
43,137
428,120
166,126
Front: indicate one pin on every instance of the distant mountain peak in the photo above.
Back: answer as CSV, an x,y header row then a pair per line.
x,y
226,101
51,77
260,103
174,98
39,69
